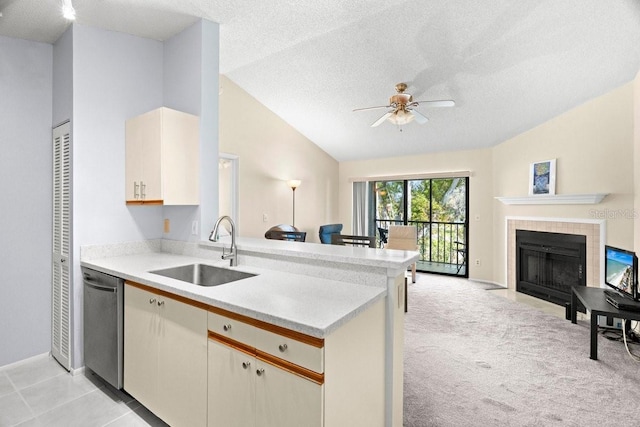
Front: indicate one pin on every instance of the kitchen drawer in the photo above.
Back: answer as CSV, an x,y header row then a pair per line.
x,y
291,350
232,328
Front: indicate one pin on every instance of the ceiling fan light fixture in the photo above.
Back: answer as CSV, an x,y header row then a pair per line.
x,y
401,117
68,12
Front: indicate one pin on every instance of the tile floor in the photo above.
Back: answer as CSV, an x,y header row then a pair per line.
x,y
39,392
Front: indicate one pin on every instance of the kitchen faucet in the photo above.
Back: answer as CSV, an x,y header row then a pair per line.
x,y
232,256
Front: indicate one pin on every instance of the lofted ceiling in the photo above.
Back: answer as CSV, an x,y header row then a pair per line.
x,y
509,65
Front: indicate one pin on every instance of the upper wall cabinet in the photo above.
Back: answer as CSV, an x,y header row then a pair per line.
x,y
162,158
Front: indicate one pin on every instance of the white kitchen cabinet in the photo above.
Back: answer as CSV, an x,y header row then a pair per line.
x,y
263,375
245,391
162,158
286,399
232,396
165,356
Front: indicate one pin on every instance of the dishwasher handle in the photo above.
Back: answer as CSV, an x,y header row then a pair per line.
x,y
100,287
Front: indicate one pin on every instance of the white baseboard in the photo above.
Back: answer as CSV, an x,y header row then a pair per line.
x,y
490,282
27,360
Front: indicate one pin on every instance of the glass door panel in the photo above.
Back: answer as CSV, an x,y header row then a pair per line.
x,y
438,208
390,202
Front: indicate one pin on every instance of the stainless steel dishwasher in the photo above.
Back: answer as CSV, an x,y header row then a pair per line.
x,y
103,325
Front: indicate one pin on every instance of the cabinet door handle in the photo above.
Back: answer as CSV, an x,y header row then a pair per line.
x,y
282,348
135,190
160,303
226,327
143,192
259,372
246,365
152,300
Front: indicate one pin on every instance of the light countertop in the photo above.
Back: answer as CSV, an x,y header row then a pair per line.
x,y
306,304
385,258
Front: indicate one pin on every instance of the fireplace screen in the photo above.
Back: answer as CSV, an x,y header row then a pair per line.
x,y
549,264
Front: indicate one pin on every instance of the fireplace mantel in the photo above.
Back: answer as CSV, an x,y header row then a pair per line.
x,y
555,199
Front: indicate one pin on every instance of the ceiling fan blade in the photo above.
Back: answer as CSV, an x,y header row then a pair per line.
x,y
439,103
382,119
420,118
372,108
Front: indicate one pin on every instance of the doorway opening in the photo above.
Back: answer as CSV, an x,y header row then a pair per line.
x,y
438,207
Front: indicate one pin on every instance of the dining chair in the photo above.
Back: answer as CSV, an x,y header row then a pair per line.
x,y
327,230
461,252
351,240
285,232
404,237
383,236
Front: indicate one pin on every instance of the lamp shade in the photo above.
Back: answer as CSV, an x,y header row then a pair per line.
x,y
401,117
294,183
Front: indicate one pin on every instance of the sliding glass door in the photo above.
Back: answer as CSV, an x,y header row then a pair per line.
x,y
438,207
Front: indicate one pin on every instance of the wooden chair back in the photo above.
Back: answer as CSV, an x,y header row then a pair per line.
x,y
350,240
404,237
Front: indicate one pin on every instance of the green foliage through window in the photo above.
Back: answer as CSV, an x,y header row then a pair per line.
x,y
438,208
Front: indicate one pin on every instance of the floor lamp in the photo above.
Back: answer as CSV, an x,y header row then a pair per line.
x,y
294,183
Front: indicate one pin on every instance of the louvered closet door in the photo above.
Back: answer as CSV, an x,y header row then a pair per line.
x,y
61,260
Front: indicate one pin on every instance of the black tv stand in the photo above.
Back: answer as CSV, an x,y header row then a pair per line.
x,y
594,300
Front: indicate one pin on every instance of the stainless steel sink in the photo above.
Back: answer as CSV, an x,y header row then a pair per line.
x,y
203,275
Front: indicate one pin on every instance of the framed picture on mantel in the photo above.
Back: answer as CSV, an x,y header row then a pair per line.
x,y
542,178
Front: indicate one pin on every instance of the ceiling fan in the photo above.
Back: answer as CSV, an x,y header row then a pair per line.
x,y
402,108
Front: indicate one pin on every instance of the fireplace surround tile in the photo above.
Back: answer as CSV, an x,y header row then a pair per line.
x,y
568,226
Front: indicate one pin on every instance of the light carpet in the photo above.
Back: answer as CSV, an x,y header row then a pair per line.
x,y
473,358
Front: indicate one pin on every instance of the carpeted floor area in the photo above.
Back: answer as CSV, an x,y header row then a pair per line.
x,y
473,358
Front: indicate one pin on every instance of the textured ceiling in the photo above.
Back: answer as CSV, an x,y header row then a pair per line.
x,y
509,65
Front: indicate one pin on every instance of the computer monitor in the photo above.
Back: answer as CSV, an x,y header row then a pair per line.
x,y
621,271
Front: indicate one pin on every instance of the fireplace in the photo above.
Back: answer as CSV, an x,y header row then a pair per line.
x,y
549,264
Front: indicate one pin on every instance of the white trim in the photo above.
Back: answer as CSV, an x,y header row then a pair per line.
x,y
603,237
28,360
78,371
552,219
416,176
557,199
234,161
490,282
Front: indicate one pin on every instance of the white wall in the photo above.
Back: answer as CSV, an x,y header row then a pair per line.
x,y
191,70
636,158
593,148
97,79
25,186
117,76
271,152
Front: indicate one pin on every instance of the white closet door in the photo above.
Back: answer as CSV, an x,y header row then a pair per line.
x,y
61,259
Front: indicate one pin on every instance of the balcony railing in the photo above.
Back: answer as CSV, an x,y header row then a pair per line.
x,y
439,242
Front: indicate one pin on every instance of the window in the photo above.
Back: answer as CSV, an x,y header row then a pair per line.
x,y
438,207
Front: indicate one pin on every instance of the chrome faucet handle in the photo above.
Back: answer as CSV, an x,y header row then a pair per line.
x,y
232,250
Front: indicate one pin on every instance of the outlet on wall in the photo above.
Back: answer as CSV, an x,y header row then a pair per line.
x,y
478,261
194,228
265,217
